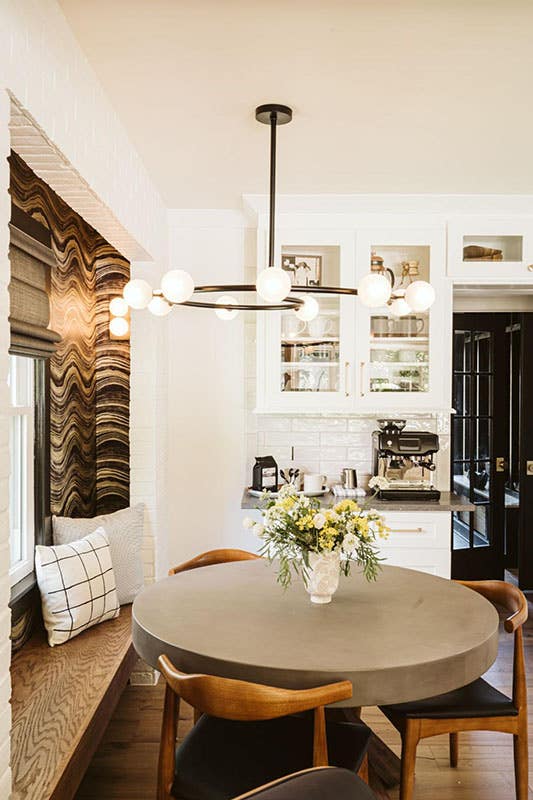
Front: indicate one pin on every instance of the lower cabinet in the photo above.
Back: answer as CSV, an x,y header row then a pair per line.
x,y
419,541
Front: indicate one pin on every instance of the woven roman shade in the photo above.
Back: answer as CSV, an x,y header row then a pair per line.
x,y
29,304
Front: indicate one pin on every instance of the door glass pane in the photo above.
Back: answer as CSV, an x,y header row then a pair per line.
x,y
462,393
310,351
461,438
462,351
484,394
461,531
483,438
483,351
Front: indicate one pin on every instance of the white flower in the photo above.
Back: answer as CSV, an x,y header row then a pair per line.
x,y
248,522
349,542
378,482
259,529
319,520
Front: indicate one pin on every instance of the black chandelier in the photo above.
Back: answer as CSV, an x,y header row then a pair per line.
x,y
273,284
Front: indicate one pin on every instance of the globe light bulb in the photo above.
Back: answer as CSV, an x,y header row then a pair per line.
x,y
420,295
309,310
225,313
273,284
118,307
159,306
374,290
399,307
177,286
137,293
119,326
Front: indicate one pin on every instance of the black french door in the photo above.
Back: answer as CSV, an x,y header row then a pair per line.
x,y
480,443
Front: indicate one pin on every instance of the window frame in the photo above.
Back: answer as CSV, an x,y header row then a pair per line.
x,y
37,454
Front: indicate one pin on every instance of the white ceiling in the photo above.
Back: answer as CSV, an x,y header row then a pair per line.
x,y
388,95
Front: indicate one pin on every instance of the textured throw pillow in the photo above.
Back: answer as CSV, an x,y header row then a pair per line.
x,y
77,586
124,530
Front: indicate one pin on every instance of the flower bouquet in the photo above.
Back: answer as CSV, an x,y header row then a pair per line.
x,y
319,544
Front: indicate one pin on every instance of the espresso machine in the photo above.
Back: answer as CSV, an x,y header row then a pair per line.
x,y
405,459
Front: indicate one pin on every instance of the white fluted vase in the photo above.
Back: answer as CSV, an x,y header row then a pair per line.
x,y
323,576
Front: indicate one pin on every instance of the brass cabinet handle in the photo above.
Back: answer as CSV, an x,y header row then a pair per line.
x,y
346,377
407,530
530,267
362,378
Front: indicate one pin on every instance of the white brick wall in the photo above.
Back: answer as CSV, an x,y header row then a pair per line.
x,y
5,618
53,86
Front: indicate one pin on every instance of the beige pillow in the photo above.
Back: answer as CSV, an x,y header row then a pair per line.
x,y
124,530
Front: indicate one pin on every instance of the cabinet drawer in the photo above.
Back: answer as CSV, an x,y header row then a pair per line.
x,y
435,562
418,531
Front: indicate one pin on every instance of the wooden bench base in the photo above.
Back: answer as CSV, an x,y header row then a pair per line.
x,y
62,700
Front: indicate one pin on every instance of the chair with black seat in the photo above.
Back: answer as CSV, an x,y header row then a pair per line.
x,y
247,735
219,556
477,706
314,784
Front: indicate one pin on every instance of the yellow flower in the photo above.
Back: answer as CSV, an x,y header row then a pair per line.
x,y
307,521
346,505
326,538
287,503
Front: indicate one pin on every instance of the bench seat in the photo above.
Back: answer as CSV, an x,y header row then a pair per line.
x,y
62,700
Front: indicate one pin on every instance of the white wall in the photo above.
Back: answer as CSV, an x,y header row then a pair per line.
x,y
206,449
44,69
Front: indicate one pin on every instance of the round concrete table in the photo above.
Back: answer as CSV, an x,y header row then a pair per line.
x,y
407,636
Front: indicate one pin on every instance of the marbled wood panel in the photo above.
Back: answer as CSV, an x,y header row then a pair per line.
x,y
112,389
83,378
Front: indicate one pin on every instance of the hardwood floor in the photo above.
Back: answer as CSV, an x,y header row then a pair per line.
x,y
124,767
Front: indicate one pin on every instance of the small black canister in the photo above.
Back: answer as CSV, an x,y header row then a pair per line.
x,y
265,474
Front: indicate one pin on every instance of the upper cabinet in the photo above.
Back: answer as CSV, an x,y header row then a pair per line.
x,y
490,249
308,366
401,359
351,358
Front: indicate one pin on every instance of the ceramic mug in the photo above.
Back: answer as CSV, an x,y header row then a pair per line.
x,y
292,327
319,326
314,483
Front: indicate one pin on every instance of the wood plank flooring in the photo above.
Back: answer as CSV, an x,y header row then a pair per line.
x,y
124,767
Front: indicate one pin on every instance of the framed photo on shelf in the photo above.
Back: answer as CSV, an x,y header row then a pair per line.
x,y
304,270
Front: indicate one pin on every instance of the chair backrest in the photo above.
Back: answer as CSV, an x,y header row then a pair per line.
x,y
240,700
220,556
514,602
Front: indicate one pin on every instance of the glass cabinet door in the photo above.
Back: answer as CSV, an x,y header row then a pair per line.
x,y
310,351
307,363
396,351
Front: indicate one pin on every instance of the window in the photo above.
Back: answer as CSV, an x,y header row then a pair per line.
x,y
21,490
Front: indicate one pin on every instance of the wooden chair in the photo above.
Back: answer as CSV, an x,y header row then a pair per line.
x,y
314,784
221,556
245,736
477,706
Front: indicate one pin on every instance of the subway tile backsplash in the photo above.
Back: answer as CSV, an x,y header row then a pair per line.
x,y
328,444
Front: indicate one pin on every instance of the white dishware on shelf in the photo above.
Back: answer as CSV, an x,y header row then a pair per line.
x,y
319,326
292,327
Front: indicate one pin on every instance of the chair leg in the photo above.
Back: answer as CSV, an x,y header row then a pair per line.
x,y
454,749
363,769
410,739
521,763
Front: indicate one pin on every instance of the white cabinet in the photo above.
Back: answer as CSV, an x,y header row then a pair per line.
x,y
490,249
309,366
419,541
350,358
400,360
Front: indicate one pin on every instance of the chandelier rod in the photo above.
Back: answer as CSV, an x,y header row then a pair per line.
x,y
271,234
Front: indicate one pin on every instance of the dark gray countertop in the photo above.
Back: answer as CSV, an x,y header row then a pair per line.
x,y
449,501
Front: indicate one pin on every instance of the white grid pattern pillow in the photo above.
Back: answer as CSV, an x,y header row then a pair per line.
x,y
77,586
